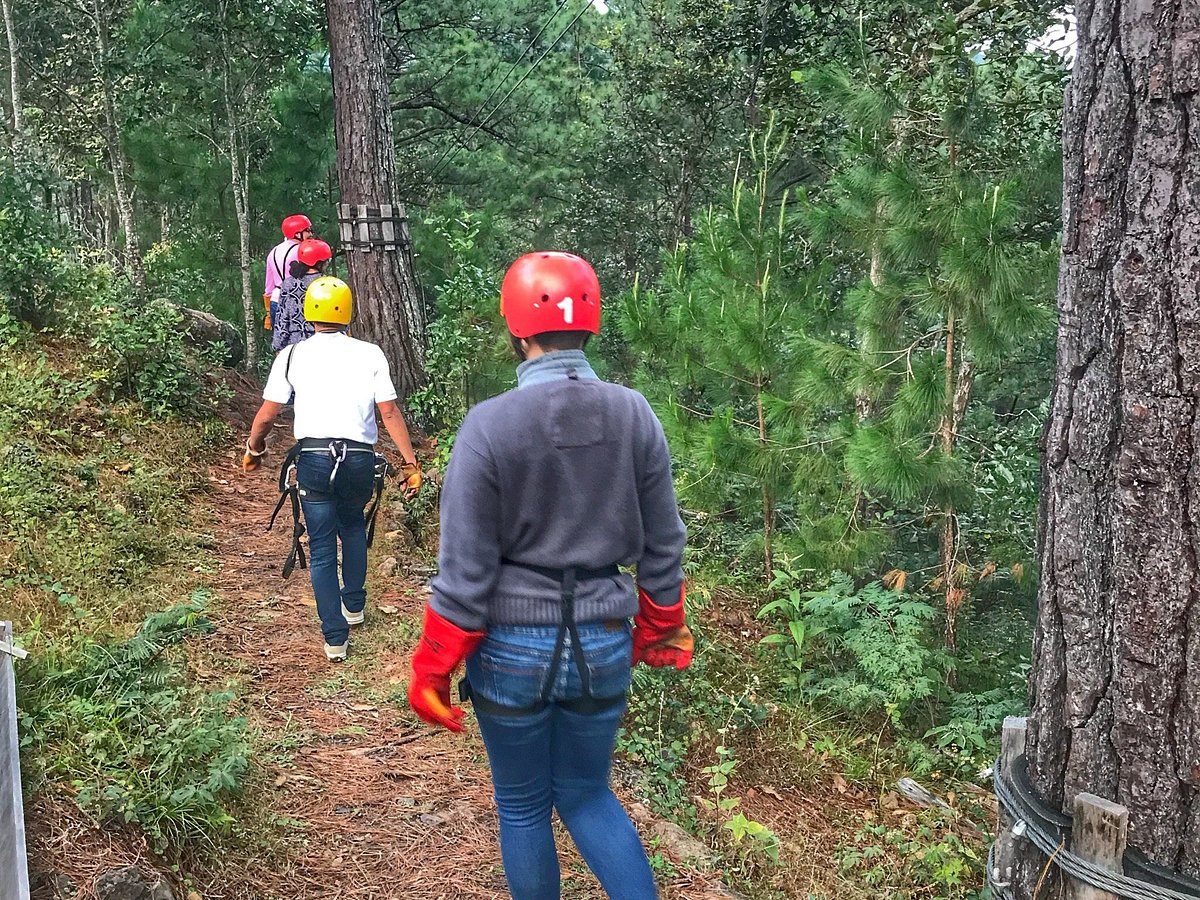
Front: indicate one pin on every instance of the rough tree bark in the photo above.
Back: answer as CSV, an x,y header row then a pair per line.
x,y
388,308
14,76
116,146
1115,690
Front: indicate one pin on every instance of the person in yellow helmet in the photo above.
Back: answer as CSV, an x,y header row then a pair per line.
x,y
338,383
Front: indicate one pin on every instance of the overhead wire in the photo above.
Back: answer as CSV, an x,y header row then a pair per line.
x,y
558,8
448,157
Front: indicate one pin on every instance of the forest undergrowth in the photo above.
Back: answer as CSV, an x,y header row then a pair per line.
x,y
139,576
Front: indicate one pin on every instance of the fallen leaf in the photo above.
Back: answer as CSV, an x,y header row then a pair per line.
x,y
123,468
362,707
770,791
281,781
389,610
839,784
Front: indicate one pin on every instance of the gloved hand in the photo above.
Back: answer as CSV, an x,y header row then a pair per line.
x,y
252,459
660,637
442,647
411,477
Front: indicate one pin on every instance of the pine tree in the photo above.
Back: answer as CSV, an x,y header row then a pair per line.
x,y
951,279
722,339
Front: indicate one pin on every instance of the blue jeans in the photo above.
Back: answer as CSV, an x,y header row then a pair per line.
x,y
332,512
557,759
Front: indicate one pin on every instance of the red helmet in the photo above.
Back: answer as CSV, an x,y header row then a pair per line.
x,y
313,251
550,291
293,225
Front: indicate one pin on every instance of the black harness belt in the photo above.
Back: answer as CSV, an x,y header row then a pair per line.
x,y
588,703
289,489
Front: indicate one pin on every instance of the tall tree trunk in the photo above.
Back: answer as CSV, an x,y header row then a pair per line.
x,y
1115,689
116,146
388,304
239,178
14,74
960,376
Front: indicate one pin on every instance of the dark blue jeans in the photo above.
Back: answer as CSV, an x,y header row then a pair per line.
x,y
332,512
557,759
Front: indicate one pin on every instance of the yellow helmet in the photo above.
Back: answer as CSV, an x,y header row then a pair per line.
x,y
328,300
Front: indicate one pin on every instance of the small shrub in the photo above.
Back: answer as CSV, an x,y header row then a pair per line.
x,y
871,648
146,356
119,722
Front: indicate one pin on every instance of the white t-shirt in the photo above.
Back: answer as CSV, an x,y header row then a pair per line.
x,y
337,380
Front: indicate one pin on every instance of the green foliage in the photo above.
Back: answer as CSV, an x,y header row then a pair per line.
x,y
722,343
37,270
929,854
145,355
465,361
119,722
871,646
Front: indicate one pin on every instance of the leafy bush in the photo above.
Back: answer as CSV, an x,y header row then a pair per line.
x,y
146,356
462,359
119,722
871,647
36,270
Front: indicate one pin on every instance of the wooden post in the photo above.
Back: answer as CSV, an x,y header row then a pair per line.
x,y
364,230
14,867
387,227
345,226
1099,830
1012,745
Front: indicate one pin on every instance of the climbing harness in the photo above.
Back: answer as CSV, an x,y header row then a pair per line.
x,y
588,703
289,488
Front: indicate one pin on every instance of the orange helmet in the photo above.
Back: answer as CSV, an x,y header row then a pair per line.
x,y
312,251
550,291
293,225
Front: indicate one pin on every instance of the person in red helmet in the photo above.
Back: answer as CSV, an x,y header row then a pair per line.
x,y
551,489
296,229
290,326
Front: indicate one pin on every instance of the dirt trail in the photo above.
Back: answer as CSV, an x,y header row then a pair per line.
x,y
376,804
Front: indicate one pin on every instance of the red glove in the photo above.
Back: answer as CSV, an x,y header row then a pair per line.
x,y
660,638
442,647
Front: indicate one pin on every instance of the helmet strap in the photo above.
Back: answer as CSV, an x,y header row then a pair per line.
x,y
518,346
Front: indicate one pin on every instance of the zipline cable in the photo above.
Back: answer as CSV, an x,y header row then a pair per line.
x,y
559,7
449,157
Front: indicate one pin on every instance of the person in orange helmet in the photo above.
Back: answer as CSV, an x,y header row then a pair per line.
x,y
288,324
296,229
551,490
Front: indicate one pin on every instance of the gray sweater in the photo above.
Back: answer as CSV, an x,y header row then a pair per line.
x,y
563,471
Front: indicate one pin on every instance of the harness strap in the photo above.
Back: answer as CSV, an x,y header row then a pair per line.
x,y
290,490
382,469
588,703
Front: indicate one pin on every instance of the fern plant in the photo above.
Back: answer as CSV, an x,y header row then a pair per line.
x,y
139,745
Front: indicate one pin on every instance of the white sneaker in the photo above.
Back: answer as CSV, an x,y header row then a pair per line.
x,y
336,652
353,618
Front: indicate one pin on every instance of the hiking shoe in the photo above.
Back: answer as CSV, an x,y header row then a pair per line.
x,y
336,652
353,618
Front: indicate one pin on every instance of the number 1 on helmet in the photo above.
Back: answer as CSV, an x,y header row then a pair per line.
x,y
567,305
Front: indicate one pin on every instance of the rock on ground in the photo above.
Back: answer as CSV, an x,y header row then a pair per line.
x,y
130,883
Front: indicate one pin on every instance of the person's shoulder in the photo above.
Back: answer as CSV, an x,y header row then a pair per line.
x,y
619,394
356,345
